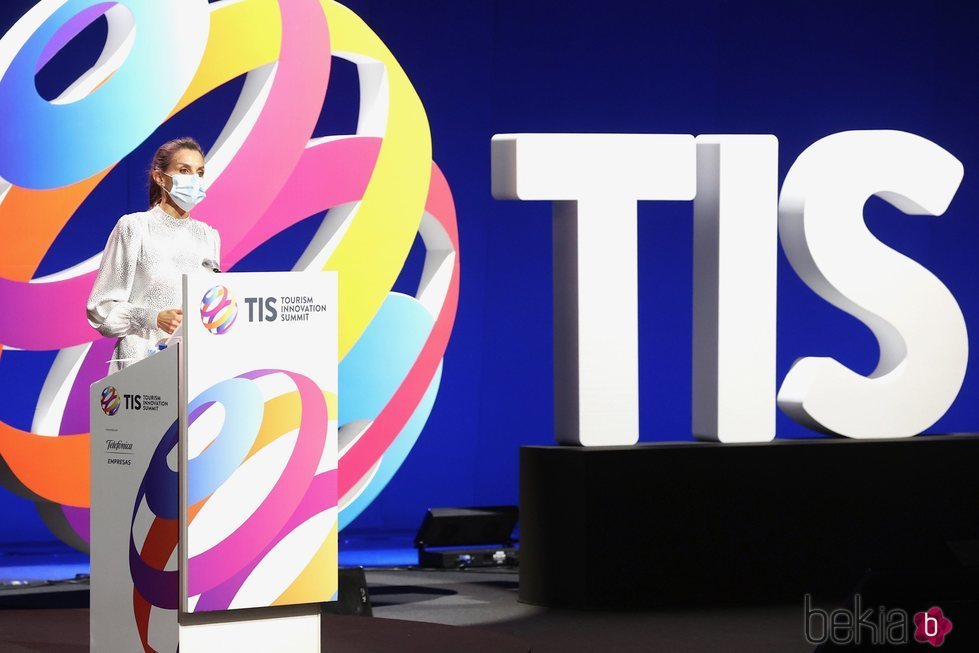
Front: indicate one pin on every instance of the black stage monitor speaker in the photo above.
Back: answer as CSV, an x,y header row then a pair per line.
x,y
467,537
467,526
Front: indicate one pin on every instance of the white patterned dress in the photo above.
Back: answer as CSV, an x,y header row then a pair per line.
x,y
140,275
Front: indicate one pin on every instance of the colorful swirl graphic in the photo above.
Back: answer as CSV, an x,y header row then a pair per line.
x,y
110,401
379,185
219,310
232,566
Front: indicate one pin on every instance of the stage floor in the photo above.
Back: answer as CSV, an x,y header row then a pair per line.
x,y
487,599
475,611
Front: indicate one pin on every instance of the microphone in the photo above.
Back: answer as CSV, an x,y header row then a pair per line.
x,y
210,264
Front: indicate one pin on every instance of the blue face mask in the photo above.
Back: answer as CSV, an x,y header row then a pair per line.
x,y
187,191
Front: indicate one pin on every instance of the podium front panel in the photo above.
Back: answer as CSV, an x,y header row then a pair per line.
x,y
259,502
134,595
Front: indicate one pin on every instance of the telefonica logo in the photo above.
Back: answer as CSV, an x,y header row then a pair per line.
x,y
883,627
110,401
219,310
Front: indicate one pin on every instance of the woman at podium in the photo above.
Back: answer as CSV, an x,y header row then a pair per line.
x,y
137,293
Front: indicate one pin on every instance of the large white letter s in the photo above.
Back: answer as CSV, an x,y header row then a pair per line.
x,y
916,320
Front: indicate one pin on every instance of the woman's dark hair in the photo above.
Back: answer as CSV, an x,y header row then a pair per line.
x,y
162,159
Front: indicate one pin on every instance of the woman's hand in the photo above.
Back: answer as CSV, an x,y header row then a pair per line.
x,y
170,319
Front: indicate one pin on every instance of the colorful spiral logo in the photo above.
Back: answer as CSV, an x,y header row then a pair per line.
x,y
240,535
379,183
110,401
219,310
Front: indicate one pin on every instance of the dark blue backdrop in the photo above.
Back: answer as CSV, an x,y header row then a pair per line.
x,y
800,71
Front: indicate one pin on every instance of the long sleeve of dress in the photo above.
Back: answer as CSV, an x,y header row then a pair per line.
x,y
109,307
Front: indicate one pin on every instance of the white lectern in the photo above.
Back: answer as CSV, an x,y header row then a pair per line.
x,y
214,474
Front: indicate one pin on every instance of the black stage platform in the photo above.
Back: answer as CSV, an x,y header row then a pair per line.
x,y
66,631
695,522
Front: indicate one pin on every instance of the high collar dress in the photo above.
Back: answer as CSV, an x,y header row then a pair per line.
x,y
140,275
